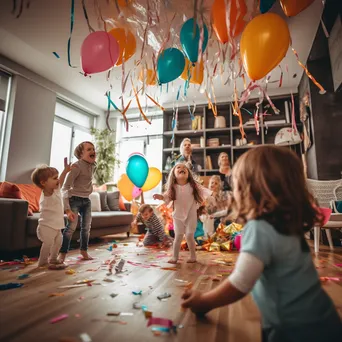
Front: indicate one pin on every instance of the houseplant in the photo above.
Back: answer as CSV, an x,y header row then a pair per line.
x,y
106,158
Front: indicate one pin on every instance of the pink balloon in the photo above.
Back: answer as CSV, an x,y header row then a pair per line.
x,y
136,192
99,52
134,153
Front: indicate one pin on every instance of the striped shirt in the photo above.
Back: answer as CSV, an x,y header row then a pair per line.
x,y
153,225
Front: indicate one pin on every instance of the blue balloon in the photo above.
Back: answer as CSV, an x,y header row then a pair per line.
x,y
190,41
266,5
170,65
137,170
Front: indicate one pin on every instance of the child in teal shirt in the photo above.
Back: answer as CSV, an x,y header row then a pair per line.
x,y
275,264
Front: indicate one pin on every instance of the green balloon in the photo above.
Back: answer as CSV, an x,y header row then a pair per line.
x,y
170,65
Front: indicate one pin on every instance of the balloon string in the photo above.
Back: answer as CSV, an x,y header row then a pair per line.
x,y
86,16
281,76
321,89
237,112
72,18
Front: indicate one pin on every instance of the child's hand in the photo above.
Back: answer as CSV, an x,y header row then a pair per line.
x,y
67,166
71,215
158,197
194,300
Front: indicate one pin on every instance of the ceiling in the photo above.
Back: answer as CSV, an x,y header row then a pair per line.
x,y
44,28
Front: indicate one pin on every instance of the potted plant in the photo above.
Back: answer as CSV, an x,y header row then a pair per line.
x,y
106,158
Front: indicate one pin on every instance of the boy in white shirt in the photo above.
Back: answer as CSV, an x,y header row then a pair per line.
x,y
51,220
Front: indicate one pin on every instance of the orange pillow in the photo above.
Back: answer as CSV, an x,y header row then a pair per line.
x,y
31,194
121,204
9,190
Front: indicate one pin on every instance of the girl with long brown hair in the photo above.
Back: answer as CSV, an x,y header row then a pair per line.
x,y
272,200
185,193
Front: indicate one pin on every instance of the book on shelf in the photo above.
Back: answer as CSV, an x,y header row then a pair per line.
x,y
208,163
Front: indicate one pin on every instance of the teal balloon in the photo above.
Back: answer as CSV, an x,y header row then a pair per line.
x,y
137,170
190,41
170,65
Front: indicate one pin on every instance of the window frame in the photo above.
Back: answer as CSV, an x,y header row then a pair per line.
x,y
5,116
74,126
120,140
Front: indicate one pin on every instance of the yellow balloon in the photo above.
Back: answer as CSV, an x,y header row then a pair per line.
x,y
196,72
126,187
153,178
264,43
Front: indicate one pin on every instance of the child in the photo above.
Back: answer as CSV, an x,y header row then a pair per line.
x,y
215,206
156,233
76,190
272,199
186,193
51,220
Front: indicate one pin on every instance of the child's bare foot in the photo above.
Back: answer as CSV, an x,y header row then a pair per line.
x,y
191,261
61,257
86,256
58,266
172,261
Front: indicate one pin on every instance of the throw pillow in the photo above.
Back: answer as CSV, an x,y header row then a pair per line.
x,y
31,193
113,200
122,204
103,199
9,190
95,201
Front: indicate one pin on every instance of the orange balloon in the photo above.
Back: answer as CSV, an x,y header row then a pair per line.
x,y
293,7
124,3
126,41
264,43
196,72
126,187
149,76
236,20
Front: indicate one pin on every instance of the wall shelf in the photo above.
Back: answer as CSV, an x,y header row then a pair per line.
x,y
228,135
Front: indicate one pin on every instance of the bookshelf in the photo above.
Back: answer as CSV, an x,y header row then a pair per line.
x,y
269,124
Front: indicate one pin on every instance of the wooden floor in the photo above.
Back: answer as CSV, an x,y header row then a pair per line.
x,y
25,313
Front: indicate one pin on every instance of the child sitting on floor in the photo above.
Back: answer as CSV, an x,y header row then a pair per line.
x,y
272,199
155,234
51,220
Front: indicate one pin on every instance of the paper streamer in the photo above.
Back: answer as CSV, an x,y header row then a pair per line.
x,y
59,318
164,322
321,89
72,18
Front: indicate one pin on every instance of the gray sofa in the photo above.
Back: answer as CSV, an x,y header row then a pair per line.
x,y
18,231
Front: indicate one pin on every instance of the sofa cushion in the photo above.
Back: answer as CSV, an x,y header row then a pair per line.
x,y
111,219
31,194
113,200
121,203
95,201
9,190
103,199
32,224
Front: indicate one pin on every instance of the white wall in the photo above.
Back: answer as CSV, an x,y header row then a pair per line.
x,y
29,129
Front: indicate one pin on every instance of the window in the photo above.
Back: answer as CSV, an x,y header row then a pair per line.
x,y
5,81
143,138
71,127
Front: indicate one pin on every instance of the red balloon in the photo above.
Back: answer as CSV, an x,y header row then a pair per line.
x,y
99,52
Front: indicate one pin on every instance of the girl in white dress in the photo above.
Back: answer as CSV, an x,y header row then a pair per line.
x,y
186,194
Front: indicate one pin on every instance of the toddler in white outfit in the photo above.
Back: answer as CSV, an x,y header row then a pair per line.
x,y
186,194
51,220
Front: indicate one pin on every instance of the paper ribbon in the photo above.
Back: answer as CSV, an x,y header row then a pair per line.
x,y
72,18
164,322
321,89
